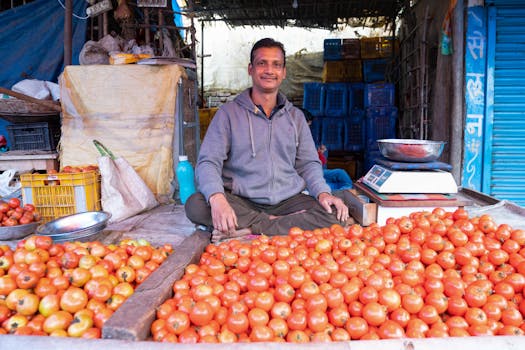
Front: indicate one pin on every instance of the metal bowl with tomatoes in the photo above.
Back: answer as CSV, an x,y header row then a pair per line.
x,y
411,150
17,221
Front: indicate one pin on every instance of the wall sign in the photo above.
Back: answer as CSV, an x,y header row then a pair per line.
x,y
475,80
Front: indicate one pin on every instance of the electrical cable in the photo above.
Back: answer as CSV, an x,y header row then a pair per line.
x,y
76,16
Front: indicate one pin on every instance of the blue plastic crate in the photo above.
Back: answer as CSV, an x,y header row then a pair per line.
x,y
356,96
370,159
380,124
336,100
374,70
313,98
332,50
315,128
355,131
332,133
379,94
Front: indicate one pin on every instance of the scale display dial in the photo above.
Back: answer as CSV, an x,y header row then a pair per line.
x,y
377,175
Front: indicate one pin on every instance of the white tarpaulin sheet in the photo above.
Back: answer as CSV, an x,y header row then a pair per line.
x,y
130,109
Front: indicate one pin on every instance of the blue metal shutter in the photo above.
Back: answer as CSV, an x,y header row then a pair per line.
x,y
504,173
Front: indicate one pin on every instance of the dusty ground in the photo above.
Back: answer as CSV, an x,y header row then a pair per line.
x,y
164,224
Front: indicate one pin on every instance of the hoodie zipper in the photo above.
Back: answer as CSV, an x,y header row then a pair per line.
x,y
272,167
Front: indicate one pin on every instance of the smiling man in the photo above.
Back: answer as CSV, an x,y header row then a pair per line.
x,y
257,158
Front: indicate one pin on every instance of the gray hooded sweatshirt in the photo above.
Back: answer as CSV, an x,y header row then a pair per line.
x,y
266,160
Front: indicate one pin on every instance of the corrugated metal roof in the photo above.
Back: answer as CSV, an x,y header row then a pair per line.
x,y
326,14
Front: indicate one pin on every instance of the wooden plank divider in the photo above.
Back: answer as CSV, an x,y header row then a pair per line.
x,y
133,319
46,103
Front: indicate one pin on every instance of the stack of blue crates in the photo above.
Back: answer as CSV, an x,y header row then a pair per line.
x,y
381,118
336,100
374,70
355,131
379,95
354,106
313,98
339,121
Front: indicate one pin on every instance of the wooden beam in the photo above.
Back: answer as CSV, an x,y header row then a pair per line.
x,y
132,321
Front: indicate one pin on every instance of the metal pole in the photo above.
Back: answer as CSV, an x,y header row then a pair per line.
x,y
423,124
160,31
105,22
68,42
179,112
147,37
456,133
202,64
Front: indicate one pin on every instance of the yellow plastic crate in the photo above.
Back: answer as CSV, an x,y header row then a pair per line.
x,y
353,71
379,47
334,71
61,194
205,117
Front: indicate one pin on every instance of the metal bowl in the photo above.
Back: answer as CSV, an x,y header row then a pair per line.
x,y
75,227
8,233
410,150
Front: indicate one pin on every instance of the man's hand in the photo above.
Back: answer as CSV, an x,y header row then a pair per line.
x,y
222,214
327,200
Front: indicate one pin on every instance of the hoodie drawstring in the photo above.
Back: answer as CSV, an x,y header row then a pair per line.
x,y
296,133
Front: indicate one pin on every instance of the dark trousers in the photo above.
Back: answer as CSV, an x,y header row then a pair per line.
x,y
257,216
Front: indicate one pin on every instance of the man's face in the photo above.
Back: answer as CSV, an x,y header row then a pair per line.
x,y
267,70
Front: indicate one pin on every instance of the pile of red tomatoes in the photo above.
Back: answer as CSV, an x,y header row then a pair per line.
x,y
69,289
13,214
431,274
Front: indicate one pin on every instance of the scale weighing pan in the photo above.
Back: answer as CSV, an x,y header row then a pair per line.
x,y
394,165
384,180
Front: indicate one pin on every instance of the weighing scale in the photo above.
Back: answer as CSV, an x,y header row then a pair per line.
x,y
421,178
400,188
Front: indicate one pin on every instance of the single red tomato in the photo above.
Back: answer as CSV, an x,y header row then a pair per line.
x,y
178,322
356,327
28,207
13,203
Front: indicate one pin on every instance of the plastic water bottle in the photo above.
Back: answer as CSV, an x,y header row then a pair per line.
x,y
186,178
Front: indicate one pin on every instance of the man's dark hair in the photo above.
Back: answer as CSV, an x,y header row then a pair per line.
x,y
267,42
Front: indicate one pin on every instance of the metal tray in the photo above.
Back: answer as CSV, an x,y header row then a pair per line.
x,y
8,233
75,227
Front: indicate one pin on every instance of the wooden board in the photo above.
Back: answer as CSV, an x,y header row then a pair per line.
x,y
28,160
370,193
363,212
133,319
